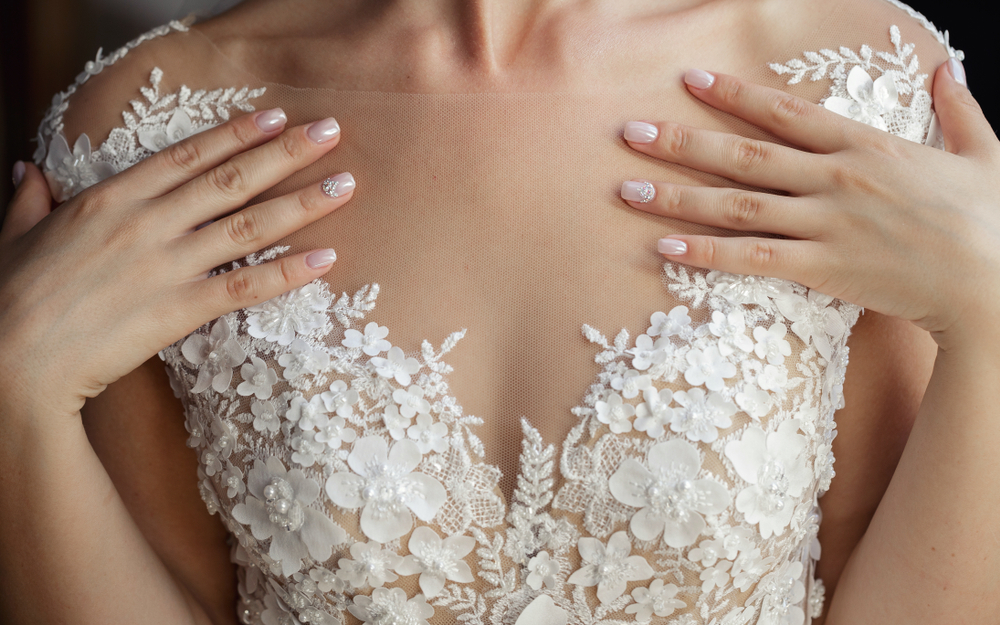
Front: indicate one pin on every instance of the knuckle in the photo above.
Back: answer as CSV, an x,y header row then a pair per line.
x,y
968,103
244,133
291,146
710,253
744,209
310,201
674,138
787,109
671,199
93,201
227,180
184,155
126,232
289,270
850,176
749,156
241,287
244,229
730,91
759,254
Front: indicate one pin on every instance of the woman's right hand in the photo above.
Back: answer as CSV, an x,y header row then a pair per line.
x,y
90,291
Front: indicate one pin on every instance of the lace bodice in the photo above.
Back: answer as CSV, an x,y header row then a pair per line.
x,y
356,486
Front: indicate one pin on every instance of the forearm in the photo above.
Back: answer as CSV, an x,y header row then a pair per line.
x,y
69,550
932,551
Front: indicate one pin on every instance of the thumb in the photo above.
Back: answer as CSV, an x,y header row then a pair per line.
x,y
963,124
31,202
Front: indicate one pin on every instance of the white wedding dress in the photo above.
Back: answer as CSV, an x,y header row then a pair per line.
x,y
501,406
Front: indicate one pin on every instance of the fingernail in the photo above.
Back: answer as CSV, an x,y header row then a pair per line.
x,y
699,78
323,130
271,120
341,184
957,71
321,258
18,173
672,247
642,192
640,132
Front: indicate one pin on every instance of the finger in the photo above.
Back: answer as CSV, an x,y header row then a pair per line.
x,y
748,161
257,226
797,261
727,208
247,286
31,202
175,165
233,183
965,128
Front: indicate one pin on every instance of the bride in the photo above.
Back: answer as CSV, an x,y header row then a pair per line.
x,y
570,361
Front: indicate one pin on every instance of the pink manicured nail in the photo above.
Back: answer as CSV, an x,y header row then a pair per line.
x,y
18,174
271,120
341,184
671,247
321,258
699,79
323,130
642,192
641,132
957,71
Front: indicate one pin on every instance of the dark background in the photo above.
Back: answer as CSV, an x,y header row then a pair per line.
x,y
45,43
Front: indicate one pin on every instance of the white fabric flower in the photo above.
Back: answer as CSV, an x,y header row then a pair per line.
x,y
655,414
303,360
871,100
428,435
396,366
731,330
669,324
258,379
305,413
610,567
215,357
326,580
784,594
372,565
332,432
232,479
631,384
542,571
708,367
700,416
178,128
817,597
276,509
266,417
67,172
715,576
386,487
411,401
771,343
773,378
775,466
646,353
281,319
814,320
748,567
659,599
372,342
671,496
708,552
390,606
823,467
615,413
395,422
340,399
437,560
740,289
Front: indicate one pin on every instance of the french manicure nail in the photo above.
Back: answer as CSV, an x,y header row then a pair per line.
x,y
271,120
699,79
640,132
18,174
672,247
323,130
341,184
957,71
642,192
321,258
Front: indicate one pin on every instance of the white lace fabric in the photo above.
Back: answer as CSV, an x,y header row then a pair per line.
x,y
453,426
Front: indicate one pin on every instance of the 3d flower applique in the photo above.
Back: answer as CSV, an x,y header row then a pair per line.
x,y
609,567
258,379
295,313
411,401
669,324
542,571
333,431
215,356
277,509
771,344
715,576
542,610
648,353
708,367
371,565
340,399
731,330
371,342
740,289
395,422
390,606
232,479
659,599
396,366
631,383
708,552
670,495
615,413
428,434
871,100
784,592
304,413
775,466
303,360
179,127
437,560
655,414
266,416
68,172
700,416
386,487
813,320
748,567
756,403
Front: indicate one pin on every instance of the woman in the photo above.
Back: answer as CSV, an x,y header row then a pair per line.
x,y
339,449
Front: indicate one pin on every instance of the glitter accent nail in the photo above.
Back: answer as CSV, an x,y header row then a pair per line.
x,y
642,192
336,186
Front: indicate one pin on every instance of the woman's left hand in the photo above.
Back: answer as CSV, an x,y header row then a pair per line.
x,y
898,227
